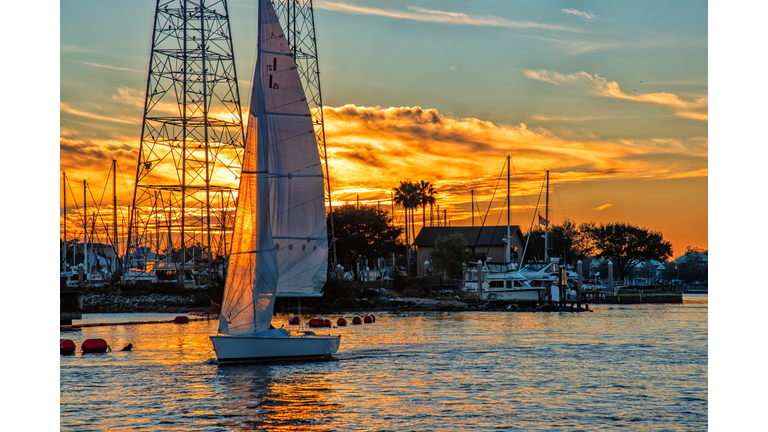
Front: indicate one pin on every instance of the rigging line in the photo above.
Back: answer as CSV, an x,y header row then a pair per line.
x,y
490,204
74,198
530,230
517,179
101,201
560,201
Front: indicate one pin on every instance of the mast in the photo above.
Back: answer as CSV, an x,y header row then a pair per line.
x,y
85,231
546,226
507,254
472,204
64,187
114,215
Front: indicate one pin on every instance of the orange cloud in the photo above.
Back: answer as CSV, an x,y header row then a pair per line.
x,y
385,145
371,149
602,207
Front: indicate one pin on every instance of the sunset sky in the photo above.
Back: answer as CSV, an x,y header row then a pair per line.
x,y
611,97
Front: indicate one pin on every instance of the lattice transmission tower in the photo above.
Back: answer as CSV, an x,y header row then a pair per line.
x,y
298,22
192,136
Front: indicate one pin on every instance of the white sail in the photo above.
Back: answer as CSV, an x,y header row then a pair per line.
x,y
297,201
252,274
280,237
281,177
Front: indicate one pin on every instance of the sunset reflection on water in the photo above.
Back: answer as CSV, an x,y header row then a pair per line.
x,y
624,367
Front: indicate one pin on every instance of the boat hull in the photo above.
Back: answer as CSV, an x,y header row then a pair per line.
x,y
248,348
527,295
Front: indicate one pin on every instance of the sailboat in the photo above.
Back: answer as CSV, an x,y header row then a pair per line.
x,y
500,281
547,274
280,231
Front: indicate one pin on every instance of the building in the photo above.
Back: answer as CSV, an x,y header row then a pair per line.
x,y
486,243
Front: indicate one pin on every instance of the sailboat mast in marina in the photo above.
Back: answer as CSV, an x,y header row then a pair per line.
x,y
280,238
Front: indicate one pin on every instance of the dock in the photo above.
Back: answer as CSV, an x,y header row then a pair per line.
x,y
632,296
86,325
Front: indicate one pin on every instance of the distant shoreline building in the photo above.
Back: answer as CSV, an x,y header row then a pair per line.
x,y
484,242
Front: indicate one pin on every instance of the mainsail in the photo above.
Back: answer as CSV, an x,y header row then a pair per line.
x,y
281,177
297,200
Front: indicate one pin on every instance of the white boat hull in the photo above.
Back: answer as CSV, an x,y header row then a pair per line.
x,y
256,348
528,295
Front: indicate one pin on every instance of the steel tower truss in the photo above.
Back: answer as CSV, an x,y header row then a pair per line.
x,y
192,135
298,22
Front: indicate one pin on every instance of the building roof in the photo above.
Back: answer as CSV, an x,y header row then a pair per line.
x,y
476,236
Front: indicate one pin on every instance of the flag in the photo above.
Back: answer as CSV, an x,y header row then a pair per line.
x,y
543,221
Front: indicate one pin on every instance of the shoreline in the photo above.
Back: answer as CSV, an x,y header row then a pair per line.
x,y
171,303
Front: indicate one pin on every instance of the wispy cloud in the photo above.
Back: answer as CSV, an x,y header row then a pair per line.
x,y
436,16
103,66
602,207
587,15
68,109
693,109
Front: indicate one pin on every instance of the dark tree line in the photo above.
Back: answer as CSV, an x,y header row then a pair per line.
x,y
626,245
364,233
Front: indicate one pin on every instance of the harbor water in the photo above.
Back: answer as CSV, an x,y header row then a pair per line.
x,y
630,367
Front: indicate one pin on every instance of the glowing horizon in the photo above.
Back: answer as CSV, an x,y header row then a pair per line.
x,y
610,98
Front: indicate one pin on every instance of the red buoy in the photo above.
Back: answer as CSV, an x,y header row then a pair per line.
x,y
181,319
91,346
341,322
316,322
373,317
357,320
367,319
66,347
294,320
327,322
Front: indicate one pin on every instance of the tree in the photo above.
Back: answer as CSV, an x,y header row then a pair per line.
x,y
566,241
450,255
426,196
626,245
692,267
407,196
364,233
569,242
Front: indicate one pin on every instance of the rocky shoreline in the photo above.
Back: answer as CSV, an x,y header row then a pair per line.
x,y
171,303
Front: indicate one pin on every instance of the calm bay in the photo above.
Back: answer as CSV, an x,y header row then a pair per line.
x,y
632,367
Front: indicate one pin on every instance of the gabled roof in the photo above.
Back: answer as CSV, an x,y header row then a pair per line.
x,y
476,236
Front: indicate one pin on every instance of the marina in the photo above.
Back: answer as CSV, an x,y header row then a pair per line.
x,y
234,269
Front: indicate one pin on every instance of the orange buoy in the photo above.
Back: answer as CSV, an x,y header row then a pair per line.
x,y
367,319
94,346
66,347
294,320
357,320
181,319
341,322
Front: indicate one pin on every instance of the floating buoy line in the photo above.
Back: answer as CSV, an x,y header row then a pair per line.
x,y
317,322
100,346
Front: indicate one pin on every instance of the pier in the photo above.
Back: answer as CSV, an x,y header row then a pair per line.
x,y
85,325
632,296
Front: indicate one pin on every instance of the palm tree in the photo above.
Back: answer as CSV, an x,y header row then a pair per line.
x,y
426,196
407,196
